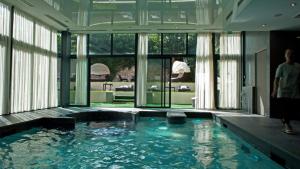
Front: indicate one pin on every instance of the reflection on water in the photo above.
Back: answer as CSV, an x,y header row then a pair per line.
x,y
151,143
203,138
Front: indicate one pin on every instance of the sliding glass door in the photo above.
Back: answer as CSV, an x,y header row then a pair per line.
x,y
158,85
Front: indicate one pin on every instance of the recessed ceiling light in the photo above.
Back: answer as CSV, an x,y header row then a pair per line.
x,y
293,4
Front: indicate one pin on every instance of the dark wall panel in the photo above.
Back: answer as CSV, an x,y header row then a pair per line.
x,y
281,40
255,43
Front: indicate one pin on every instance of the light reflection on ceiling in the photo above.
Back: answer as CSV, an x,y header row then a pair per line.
x,y
139,13
163,15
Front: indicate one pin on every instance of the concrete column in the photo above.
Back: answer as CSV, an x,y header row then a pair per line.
x,y
65,69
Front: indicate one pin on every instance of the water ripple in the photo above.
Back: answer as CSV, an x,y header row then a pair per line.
x,y
152,143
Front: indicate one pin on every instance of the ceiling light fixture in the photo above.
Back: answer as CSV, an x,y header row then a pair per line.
x,y
293,4
264,25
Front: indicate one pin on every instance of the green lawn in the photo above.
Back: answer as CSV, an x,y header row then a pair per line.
x,y
114,105
131,105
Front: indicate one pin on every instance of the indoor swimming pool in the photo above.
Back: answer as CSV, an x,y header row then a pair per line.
x,y
149,143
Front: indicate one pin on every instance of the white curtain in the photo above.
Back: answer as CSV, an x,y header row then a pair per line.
x,y
4,40
204,80
22,62
4,20
23,28
230,70
34,65
53,82
21,79
81,61
40,81
142,53
81,71
41,64
3,51
42,37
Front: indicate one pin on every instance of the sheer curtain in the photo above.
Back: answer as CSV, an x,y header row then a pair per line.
x,y
41,65
4,40
3,50
34,65
81,71
40,81
204,80
22,62
53,82
230,68
81,61
142,53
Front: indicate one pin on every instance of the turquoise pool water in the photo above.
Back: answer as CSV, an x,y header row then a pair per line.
x,y
151,143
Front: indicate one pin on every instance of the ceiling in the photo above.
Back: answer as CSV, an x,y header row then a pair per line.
x,y
164,15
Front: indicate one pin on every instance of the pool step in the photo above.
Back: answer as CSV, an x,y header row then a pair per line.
x,y
176,117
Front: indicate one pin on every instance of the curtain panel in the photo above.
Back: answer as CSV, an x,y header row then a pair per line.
x,y
53,82
142,52
41,65
34,65
81,71
4,62
3,55
21,82
204,74
230,70
22,62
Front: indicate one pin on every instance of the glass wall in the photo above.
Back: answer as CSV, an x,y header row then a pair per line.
x,y
123,44
112,70
73,68
100,44
180,48
112,64
154,44
58,79
78,70
158,90
217,69
59,55
72,80
174,43
73,44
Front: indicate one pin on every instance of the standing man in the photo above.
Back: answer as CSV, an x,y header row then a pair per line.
x,y
287,88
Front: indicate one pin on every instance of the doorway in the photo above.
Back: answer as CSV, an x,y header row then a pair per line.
x,y
158,85
261,82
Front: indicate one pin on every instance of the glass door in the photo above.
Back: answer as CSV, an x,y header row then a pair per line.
x,y
158,83
112,82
